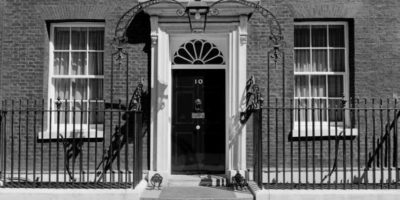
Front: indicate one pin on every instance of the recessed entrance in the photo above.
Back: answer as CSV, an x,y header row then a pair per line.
x,y
198,121
178,59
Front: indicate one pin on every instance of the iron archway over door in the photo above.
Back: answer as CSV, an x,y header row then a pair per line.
x,y
275,55
121,57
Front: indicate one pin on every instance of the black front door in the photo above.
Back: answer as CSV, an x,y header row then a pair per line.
x,y
198,121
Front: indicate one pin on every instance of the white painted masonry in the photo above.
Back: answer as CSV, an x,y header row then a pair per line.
x,y
231,39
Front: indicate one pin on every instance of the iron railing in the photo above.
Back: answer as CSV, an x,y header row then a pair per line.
x,y
70,144
304,144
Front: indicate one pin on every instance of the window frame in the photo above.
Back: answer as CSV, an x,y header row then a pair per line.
x,y
87,132
316,126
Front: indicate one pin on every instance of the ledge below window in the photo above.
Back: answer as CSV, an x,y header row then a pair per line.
x,y
325,132
84,134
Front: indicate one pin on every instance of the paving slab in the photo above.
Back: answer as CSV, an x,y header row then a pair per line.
x,y
196,193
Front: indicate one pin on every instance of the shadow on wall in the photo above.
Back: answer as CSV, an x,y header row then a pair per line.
x,y
138,32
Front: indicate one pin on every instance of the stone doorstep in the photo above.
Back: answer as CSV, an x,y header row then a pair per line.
x,y
197,180
190,180
216,180
195,187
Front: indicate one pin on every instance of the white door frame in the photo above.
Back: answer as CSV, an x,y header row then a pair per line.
x,y
161,94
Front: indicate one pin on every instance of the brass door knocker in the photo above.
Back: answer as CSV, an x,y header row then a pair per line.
x,y
197,105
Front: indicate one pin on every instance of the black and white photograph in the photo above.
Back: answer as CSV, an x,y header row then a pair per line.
x,y
199,99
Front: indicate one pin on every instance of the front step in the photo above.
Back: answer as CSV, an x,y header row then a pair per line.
x,y
196,187
197,180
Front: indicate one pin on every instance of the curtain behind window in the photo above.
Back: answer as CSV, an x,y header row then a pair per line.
x,y
319,50
78,58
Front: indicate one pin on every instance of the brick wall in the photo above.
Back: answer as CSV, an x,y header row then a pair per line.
x,y
374,67
25,46
374,39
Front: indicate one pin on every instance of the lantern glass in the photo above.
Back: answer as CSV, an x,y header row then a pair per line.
x,y
197,13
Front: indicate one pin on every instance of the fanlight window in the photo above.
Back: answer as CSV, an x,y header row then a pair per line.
x,y
198,52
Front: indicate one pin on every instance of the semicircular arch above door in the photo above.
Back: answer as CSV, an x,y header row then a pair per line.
x,y
198,52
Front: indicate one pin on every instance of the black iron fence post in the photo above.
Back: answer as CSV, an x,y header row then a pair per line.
x,y
374,152
257,142
4,135
137,171
2,170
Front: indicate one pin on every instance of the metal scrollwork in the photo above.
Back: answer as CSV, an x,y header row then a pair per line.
x,y
274,25
180,12
58,103
254,99
120,56
214,11
136,100
127,17
156,180
275,54
123,23
239,181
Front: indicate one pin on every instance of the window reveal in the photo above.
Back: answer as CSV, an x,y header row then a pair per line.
x,y
77,72
320,70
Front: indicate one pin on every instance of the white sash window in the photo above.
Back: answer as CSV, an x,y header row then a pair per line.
x,y
76,76
320,74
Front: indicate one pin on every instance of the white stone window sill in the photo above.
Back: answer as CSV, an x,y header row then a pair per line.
x,y
323,131
71,133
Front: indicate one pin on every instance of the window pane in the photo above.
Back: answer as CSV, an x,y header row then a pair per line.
x,y
78,63
78,37
61,38
318,34
79,89
319,110
300,113
301,36
96,38
64,113
336,110
337,60
336,35
96,114
80,113
61,62
61,87
302,60
96,63
96,89
301,86
318,88
319,60
335,86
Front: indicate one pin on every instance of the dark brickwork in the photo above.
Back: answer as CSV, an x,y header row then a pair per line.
x,y
25,45
374,49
